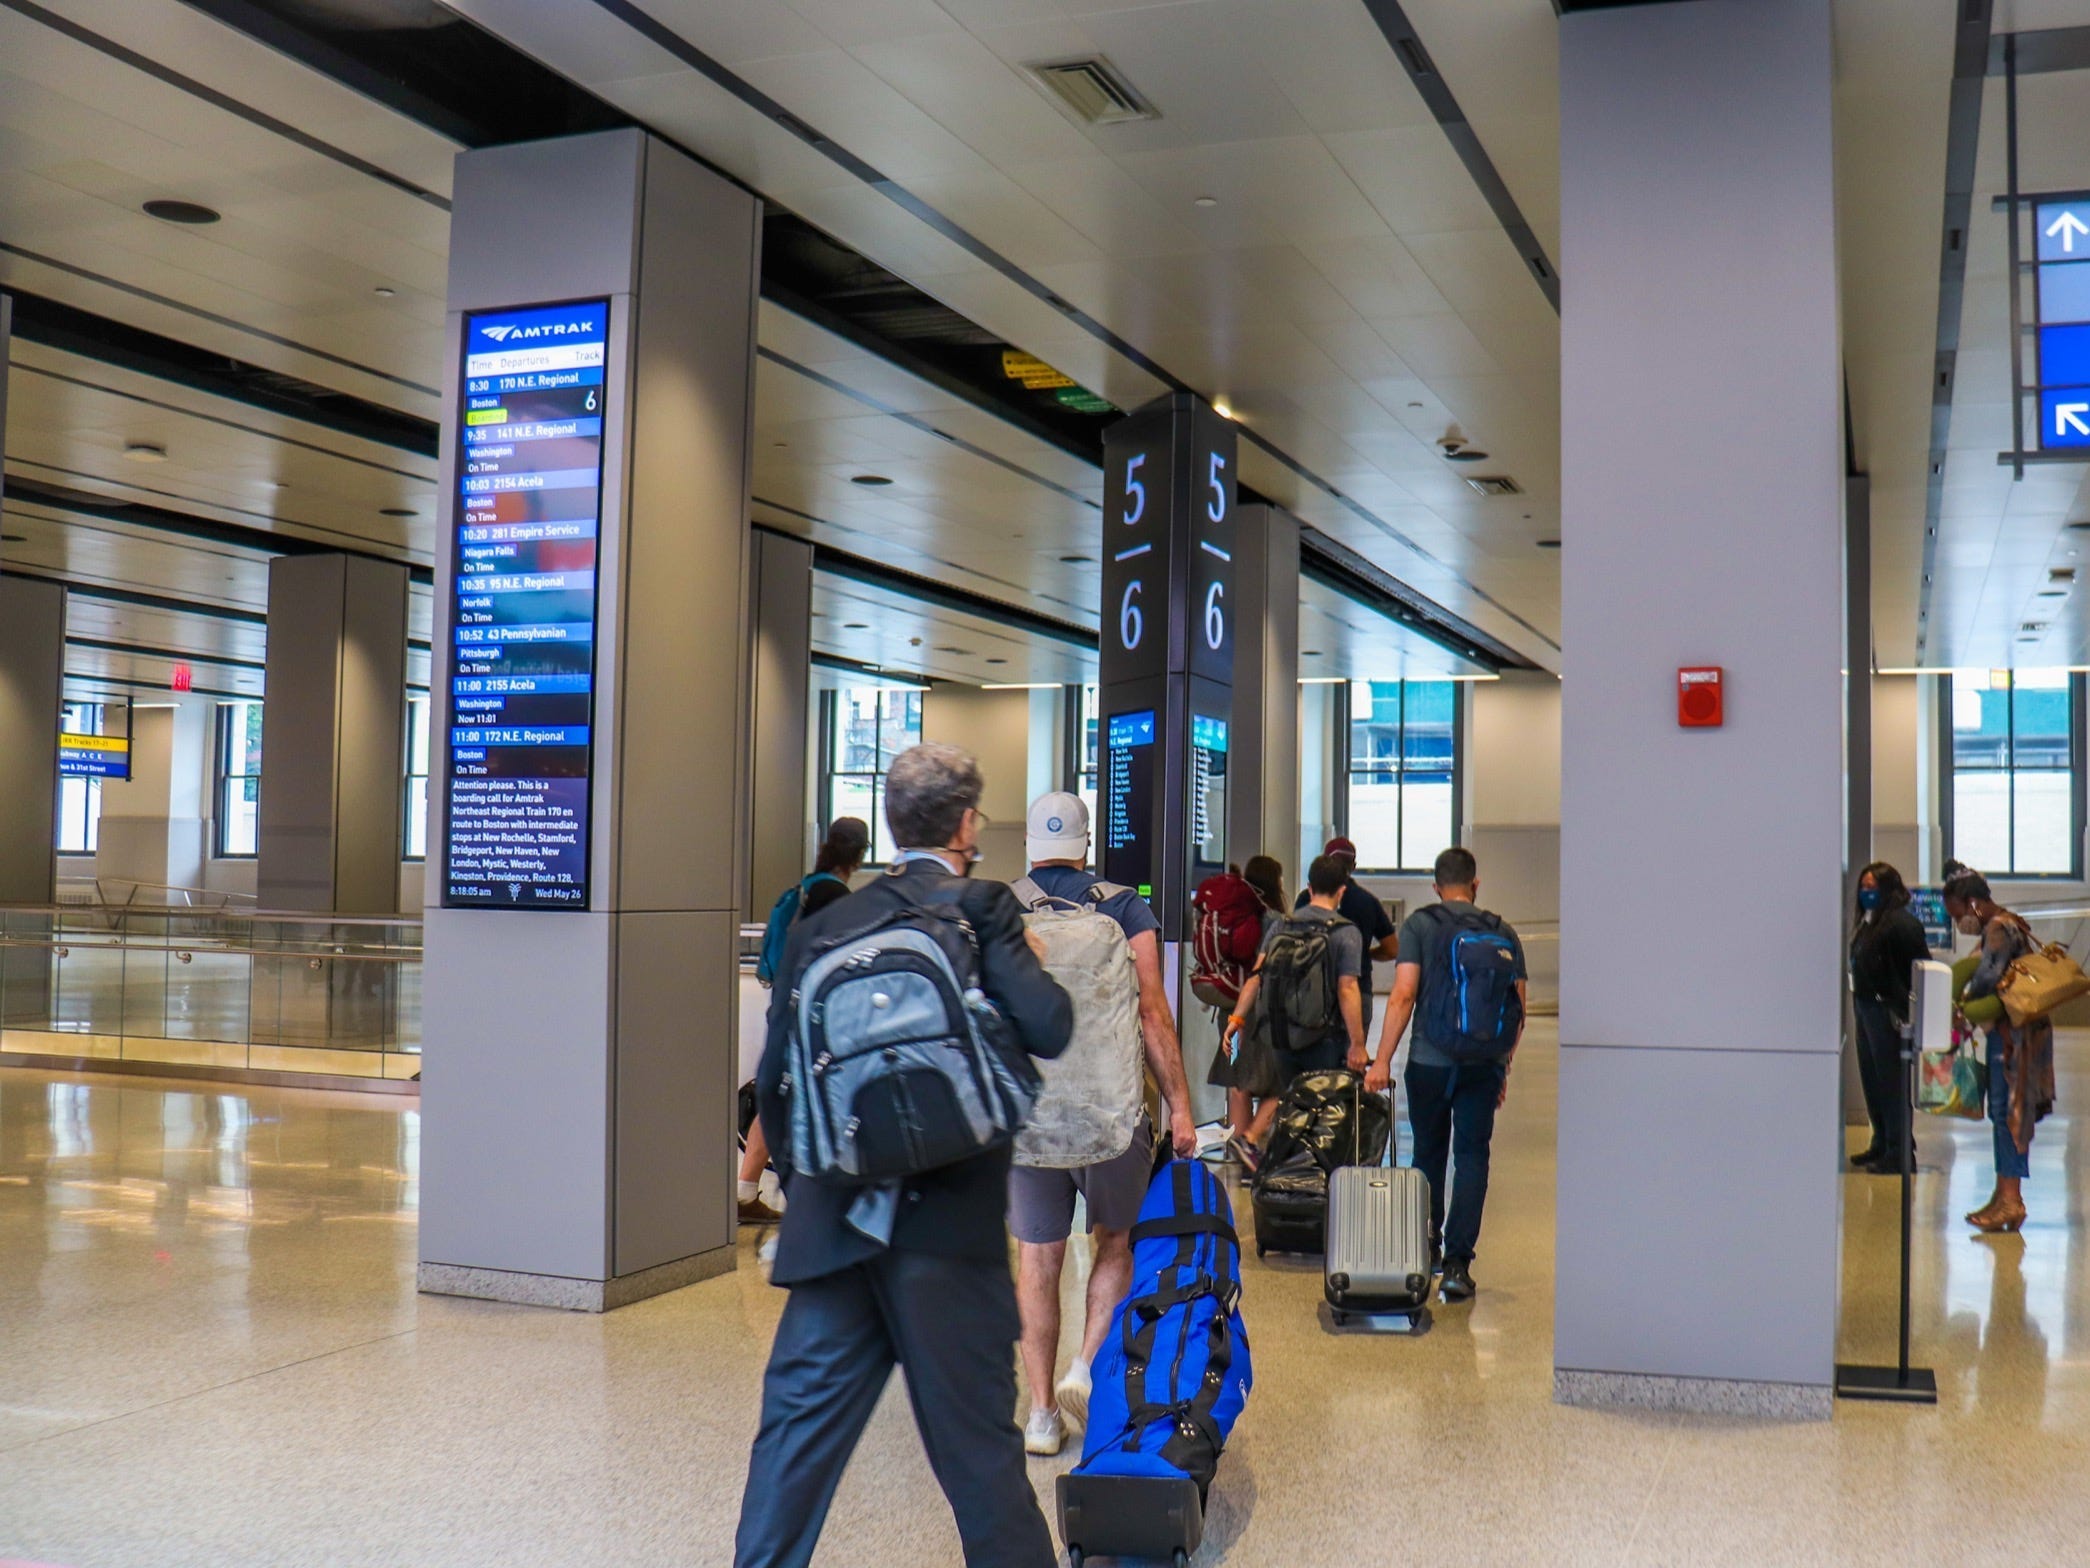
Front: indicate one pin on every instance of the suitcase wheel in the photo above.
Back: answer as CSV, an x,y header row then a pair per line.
x,y
1182,1558
1260,1249
1342,1319
1339,1283
1074,1557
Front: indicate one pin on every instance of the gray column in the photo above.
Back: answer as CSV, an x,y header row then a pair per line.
x,y
578,1107
780,591
1263,779
1857,730
1699,1137
332,736
32,677
152,824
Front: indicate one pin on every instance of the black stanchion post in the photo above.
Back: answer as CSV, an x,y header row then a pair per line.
x,y
1900,1383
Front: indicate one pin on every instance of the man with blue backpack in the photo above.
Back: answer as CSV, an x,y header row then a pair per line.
x,y
1461,978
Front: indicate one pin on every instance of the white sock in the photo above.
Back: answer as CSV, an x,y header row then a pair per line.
x,y
750,1191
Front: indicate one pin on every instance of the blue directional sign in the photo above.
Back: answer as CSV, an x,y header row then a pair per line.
x,y
2061,254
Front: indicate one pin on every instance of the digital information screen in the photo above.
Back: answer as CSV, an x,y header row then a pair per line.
x,y
1129,755
1207,790
93,756
522,648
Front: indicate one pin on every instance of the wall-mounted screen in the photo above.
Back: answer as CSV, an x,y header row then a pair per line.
x,y
522,646
1207,790
1129,823
94,756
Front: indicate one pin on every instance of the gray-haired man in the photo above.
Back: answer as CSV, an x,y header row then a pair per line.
x,y
937,1298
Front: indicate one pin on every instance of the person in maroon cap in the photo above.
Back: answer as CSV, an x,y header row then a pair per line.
x,y
1361,907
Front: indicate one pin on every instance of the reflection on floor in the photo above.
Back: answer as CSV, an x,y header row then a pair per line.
x,y
213,1355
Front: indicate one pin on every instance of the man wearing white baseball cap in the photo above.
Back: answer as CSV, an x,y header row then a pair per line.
x,y
1041,1195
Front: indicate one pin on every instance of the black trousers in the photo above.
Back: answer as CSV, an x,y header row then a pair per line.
x,y
950,1323
1452,1112
1883,1076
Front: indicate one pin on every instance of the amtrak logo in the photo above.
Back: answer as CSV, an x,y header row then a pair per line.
x,y
515,890
502,332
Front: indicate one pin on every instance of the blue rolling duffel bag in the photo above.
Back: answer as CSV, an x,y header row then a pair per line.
x,y
1170,1381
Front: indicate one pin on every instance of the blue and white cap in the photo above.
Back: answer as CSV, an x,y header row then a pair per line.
x,y
1057,828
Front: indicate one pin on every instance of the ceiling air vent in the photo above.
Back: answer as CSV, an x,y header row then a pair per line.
x,y
1494,484
1095,92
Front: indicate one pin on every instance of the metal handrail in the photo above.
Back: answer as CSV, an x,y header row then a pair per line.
x,y
303,917
63,948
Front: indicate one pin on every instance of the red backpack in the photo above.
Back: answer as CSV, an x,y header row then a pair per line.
x,y
1224,943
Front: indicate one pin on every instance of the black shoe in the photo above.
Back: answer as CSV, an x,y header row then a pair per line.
x,y
1458,1282
1868,1158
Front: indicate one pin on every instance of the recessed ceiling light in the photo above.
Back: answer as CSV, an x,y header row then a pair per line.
x,y
1309,653
14,538
1466,454
1415,403
856,626
1223,410
997,661
181,212
2051,593
1076,560
963,653
395,511
144,452
872,480
1549,544
1206,201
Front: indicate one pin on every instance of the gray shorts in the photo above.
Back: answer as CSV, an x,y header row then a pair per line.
x,y
1041,1202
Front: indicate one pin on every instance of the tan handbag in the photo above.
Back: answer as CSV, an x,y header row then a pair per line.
x,y
2040,982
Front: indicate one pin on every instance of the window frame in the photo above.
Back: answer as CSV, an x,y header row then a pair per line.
x,y
830,717
423,701
2078,786
1346,769
222,777
90,792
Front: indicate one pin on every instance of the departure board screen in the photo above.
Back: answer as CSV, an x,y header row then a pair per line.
x,y
1128,800
522,645
1207,790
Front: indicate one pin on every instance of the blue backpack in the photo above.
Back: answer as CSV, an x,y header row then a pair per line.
x,y
1174,1373
783,915
1470,1007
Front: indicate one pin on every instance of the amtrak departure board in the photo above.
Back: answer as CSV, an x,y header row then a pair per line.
x,y
522,641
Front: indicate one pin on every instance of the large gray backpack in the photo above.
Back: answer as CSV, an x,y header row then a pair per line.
x,y
1095,1091
896,1062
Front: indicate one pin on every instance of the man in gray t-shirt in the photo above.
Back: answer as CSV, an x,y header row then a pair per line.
x,y
1343,1044
1451,1104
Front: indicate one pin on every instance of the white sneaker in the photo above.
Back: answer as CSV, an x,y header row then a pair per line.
x,y
1045,1433
1073,1394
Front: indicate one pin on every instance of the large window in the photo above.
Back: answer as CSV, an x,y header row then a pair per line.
x,y
862,729
414,840
79,800
238,800
1402,773
2015,805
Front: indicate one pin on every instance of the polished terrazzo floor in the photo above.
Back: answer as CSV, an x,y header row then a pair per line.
x,y
211,1353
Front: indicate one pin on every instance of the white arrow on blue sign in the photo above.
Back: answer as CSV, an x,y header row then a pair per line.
x,y
2063,230
2064,418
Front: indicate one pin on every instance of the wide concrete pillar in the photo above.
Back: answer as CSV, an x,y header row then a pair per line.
x,y
152,831
1263,781
780,593
579,1100
1699,1135
995,727
32,677
332,736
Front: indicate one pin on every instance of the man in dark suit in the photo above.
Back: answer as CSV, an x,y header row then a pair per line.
x,y
937,1298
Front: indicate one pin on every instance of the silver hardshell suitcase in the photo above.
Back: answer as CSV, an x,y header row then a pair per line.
x,y
1378,1253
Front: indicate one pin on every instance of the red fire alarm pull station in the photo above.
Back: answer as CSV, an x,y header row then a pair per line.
x,y
1698,698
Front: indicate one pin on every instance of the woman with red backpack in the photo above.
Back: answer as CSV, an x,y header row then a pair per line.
x,y
1253,1078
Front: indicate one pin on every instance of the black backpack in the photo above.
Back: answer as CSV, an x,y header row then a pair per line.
x,y
1298,983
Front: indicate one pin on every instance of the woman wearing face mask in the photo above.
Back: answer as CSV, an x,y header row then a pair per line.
x,y
2020,1057
1886,944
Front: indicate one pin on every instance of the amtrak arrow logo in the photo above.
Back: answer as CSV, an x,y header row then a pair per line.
x,y
2069,227
2068,417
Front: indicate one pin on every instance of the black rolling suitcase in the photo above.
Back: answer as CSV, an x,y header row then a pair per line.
x,y
1327,1122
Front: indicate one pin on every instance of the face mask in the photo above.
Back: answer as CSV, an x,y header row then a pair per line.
x,y
1868,898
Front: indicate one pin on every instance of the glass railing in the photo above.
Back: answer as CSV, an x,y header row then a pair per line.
x,y
216,989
